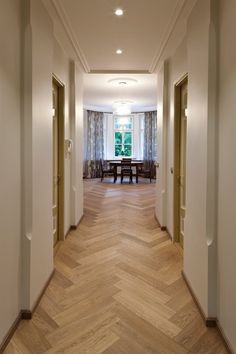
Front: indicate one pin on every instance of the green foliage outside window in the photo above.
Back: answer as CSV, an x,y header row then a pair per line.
x,y
118,138
118,150
123,144
123,138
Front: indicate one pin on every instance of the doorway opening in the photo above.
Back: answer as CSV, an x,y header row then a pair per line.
x,y
58,160
180,139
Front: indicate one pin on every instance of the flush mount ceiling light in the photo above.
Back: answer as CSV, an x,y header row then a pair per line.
x,y
122,107
123,82
122,110
119,51
119,12
123,102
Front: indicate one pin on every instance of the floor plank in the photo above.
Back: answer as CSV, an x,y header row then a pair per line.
x,y
117,286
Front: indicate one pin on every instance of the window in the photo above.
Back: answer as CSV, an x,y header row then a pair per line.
x,y
123,127
141,137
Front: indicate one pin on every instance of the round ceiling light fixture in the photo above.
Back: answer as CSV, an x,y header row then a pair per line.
x,y
119,12
123,102
119,51
122,107
123,82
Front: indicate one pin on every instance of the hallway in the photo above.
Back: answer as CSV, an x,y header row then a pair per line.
x,y
117,286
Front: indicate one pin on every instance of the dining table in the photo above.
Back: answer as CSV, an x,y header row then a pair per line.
x,y
134,163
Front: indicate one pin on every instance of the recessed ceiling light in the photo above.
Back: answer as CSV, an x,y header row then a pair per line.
x,y
119,51
119,12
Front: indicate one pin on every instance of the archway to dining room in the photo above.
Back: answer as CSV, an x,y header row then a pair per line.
x,y
120,127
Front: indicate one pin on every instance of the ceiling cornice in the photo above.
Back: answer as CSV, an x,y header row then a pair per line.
x,y
176,14
105,109
70,33
81,56
119,72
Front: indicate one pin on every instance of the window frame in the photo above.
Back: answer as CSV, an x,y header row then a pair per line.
x,y
123,131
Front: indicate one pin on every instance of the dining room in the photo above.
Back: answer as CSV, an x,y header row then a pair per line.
x,y
120,128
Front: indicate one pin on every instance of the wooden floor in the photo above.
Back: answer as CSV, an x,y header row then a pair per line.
x,y
118,285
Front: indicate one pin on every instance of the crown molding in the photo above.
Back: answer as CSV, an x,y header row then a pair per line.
x,y
119,71
106,109
81,56
144,109
70,33
103,109
171,25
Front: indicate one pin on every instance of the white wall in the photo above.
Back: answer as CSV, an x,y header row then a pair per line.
x,y
10,195
61,69
197,55
177,68
37,232
77,197
29,57
195,246
192,57
161,170
227,171
71,76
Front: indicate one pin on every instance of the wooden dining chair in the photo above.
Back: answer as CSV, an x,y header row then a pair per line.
x,y
146,171
106,170
126,169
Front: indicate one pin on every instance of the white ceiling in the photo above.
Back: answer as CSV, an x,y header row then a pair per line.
x,y
95,34
100,94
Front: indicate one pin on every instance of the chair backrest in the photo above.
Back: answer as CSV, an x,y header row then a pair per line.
x,y
126,163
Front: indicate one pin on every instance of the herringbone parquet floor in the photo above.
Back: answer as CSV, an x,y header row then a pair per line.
x,y
118,286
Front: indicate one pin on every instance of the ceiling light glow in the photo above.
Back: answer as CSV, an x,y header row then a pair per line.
x,y
119,12
123,82
119,51
122,108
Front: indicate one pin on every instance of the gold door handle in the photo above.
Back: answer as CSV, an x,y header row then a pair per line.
x,y
58,179
180,180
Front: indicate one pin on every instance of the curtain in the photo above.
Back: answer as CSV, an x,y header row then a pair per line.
x,y
95,144
150,138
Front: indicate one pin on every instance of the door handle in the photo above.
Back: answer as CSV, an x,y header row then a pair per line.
x,y
58,179
179,180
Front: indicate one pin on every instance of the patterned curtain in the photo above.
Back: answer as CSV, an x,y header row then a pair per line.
x,y
150,138
95,144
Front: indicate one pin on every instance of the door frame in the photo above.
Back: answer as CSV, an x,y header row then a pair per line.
x,y
61,154
177,116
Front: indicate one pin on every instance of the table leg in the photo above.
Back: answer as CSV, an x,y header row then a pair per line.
x,y
115,174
